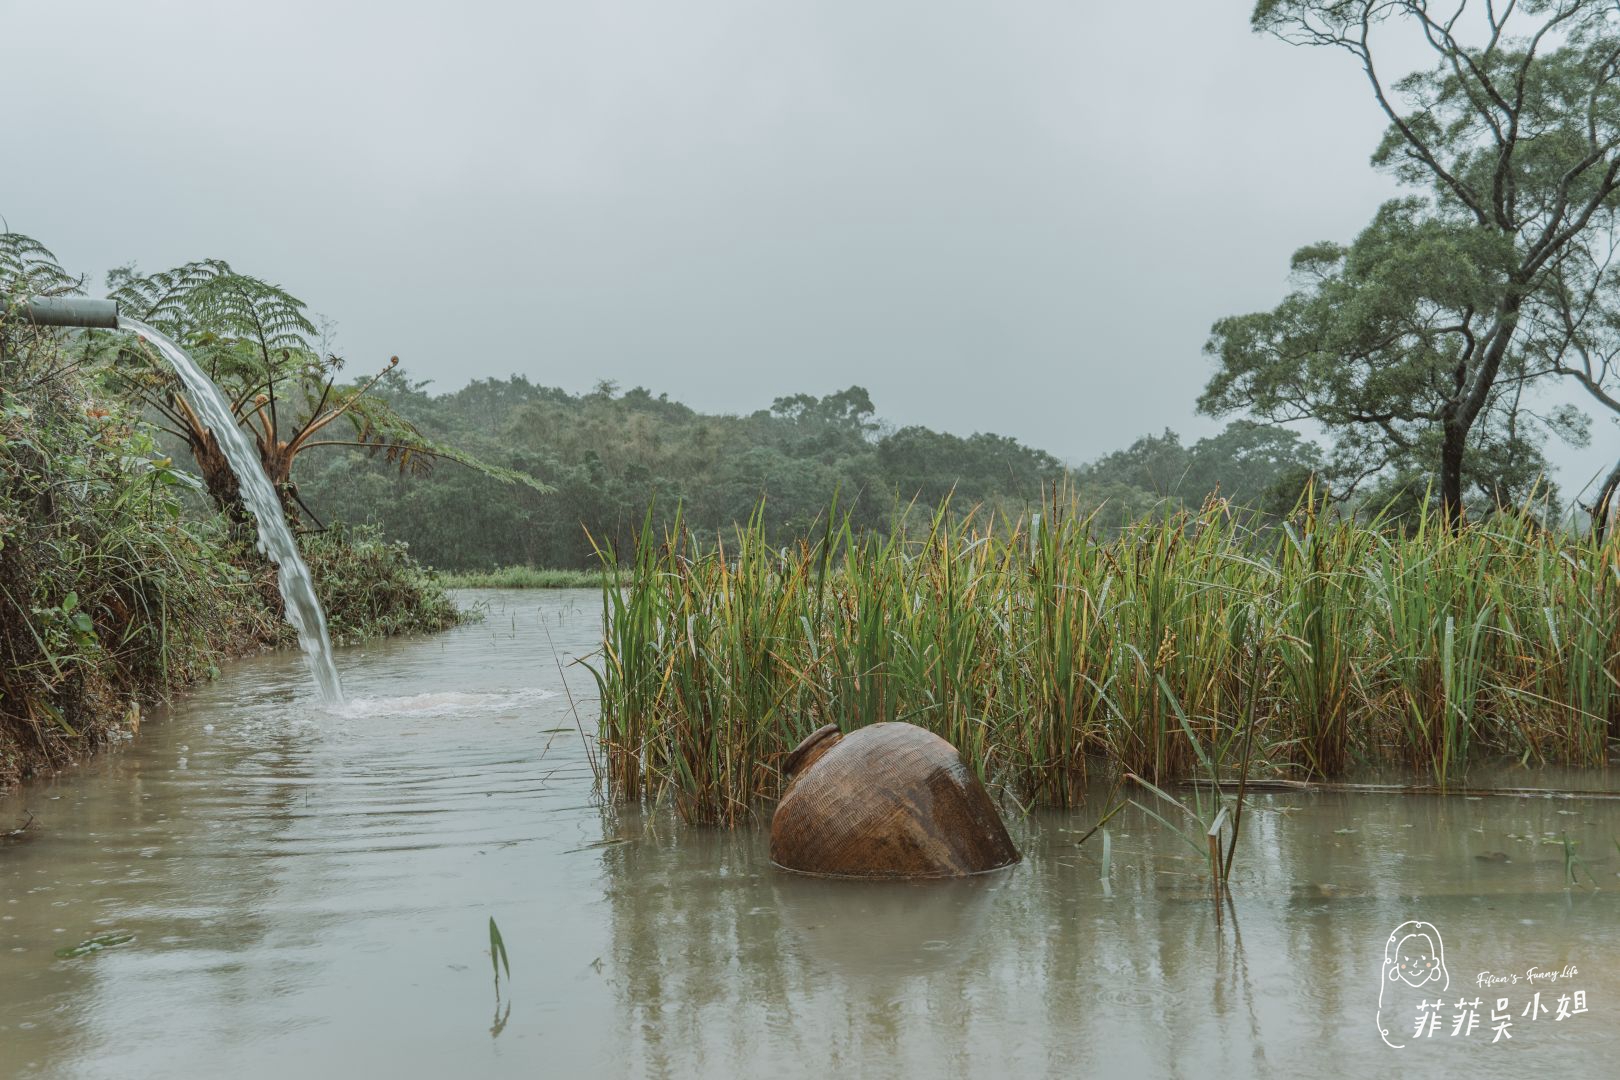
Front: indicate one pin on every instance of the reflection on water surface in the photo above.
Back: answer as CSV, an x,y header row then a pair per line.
x,y
277,889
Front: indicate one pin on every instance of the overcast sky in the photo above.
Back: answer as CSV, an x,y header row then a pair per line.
x,y
1009,215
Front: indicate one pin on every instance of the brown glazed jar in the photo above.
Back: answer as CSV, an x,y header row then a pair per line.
x,y
885,801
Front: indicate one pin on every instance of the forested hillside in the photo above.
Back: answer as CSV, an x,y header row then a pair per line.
x,y
610,454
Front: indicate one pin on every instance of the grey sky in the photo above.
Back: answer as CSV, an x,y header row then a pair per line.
x,y
1008,216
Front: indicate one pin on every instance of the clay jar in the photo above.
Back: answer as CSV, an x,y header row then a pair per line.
x,y
886,801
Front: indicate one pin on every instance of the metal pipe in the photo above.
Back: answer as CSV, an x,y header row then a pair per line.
x,y
68,311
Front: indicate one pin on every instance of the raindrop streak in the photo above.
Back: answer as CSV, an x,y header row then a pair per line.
x,y
275,539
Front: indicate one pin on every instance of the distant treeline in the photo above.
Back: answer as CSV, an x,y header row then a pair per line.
x,y
609,455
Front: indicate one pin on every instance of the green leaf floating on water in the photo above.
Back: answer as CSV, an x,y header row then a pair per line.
x,y
94,945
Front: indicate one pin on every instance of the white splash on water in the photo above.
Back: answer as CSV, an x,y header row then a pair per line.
x,y
276,541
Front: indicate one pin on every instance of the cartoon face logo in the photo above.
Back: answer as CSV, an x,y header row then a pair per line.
x,y
1415,960
1415,956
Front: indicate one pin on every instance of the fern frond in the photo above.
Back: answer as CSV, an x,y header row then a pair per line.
x,y
209,307
377,428
28,268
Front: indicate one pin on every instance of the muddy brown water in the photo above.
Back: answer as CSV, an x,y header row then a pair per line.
x,y
281,890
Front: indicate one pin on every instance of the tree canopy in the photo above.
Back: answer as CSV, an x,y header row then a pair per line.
x,y
1417,345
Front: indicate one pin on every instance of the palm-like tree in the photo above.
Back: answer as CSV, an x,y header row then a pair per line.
x,y
257,344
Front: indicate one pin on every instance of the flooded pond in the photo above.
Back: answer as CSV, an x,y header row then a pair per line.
x,y
258,887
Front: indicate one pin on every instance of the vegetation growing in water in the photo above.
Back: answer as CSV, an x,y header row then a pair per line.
x,y
1038,647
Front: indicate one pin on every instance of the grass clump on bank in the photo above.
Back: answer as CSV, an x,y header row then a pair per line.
x,y
521,577
1038,648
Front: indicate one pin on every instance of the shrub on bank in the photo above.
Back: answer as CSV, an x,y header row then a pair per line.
x,y
373,587
112,595
109,595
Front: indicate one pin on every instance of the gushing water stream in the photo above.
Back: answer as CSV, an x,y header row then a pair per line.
x,y
275,538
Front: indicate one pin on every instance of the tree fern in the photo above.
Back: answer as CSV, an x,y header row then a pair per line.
x,y
378,428
233,324
257,342
28,268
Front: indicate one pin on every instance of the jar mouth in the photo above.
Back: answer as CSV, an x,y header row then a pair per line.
x,y
796,756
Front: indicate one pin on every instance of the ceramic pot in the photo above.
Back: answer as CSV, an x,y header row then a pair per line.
x,y
885,801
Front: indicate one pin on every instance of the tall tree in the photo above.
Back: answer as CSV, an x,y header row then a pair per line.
x,y
1411,343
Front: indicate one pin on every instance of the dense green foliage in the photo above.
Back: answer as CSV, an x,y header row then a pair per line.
x,y
1260,466
373,587
611,455
1037,647
108,593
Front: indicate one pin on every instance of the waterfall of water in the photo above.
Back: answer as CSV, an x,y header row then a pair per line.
x,y
275,538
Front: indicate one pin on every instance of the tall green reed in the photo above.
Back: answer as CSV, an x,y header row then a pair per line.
x,y
1040,649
